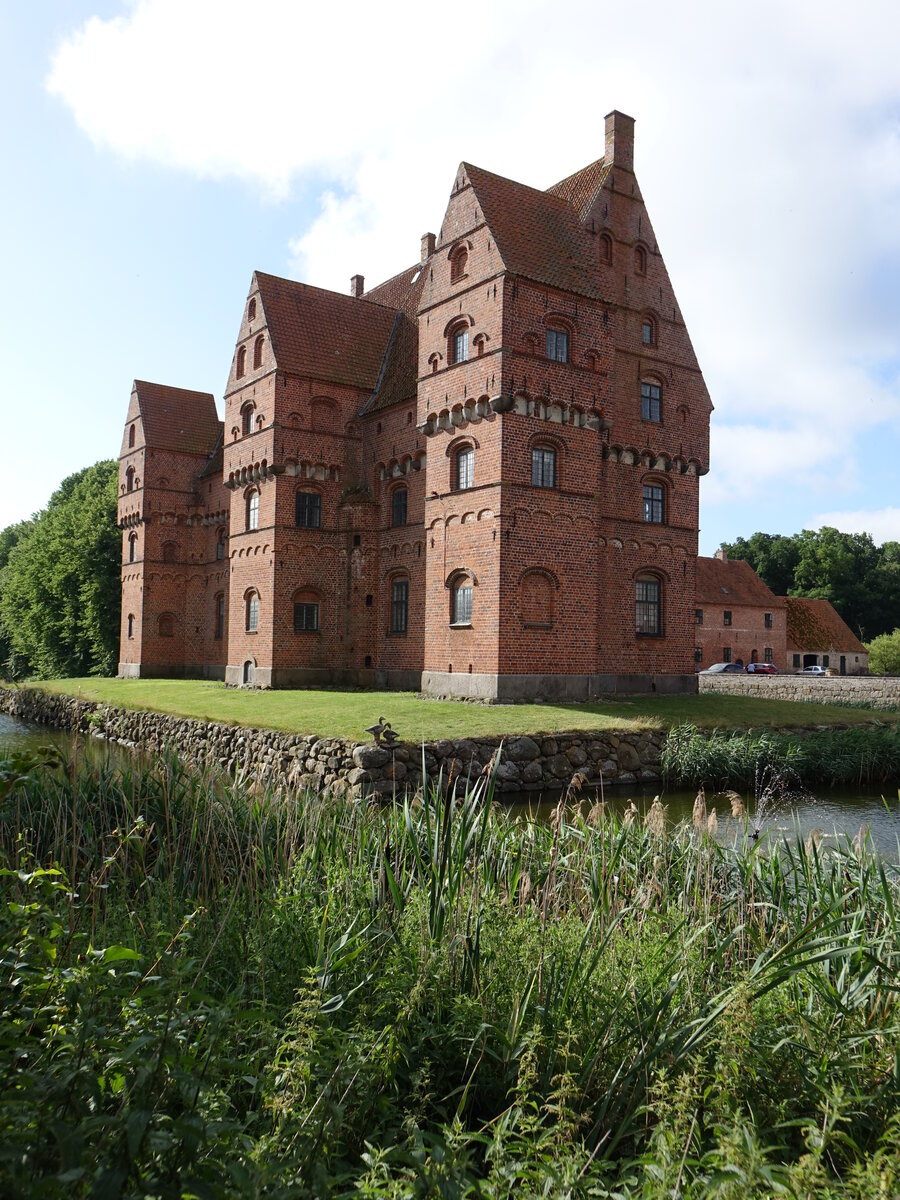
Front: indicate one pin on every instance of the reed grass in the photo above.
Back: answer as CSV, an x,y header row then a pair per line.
x,y
213,987
693,758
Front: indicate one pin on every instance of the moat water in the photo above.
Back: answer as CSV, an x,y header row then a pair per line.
x,y
835,813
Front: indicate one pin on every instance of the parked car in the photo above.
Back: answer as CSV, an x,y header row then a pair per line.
x,y
723,669
757,668
813,671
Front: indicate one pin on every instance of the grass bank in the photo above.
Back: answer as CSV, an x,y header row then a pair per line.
x,y
219,991
347,713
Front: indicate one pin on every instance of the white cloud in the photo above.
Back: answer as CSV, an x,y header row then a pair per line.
x,y
770,163
882,523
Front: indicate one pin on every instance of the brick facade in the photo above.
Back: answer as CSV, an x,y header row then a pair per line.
x,y
539,340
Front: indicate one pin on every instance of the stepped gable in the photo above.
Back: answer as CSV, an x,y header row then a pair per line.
x,y
323,334
177,419
539,234
582,189
398,379
814,625
731,582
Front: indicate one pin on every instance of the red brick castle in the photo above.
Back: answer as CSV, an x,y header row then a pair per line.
x,y
479,478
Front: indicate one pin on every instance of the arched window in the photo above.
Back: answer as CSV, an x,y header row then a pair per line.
x,y
220,544
461,601
654,500
458,344
129,479
132,549
464,474
459,260
648,606
131,436
306,612
252,513
241,364
257,351
131,625
169,550
220,616
166,625
399,605
536,599
648,331
251,612
543,467
640,260
247,417
398,506
251,310
558,345
606,248
651,401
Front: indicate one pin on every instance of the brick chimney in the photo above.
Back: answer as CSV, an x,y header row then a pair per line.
x,y
357,286
428,241
620,140
721,554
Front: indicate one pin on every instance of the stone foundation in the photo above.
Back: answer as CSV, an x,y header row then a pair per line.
x,y
527,763
877,690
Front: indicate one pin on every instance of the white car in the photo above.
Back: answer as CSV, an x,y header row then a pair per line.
x,y
813,671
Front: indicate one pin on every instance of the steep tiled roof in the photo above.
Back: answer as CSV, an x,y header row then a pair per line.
x,y
177,419
815,626
331,337
398,378
217,457
539,234
731,582
581,189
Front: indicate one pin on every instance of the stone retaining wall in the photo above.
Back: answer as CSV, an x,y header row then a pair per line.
x,y
822,689
526,763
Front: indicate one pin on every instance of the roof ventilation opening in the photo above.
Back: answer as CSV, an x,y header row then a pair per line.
x,y
357,285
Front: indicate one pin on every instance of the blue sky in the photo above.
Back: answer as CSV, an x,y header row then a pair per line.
x,y
157,152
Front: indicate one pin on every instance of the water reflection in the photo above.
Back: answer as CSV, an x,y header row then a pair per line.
x,y
832,815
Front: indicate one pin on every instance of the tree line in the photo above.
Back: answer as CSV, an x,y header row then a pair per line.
x,y
60,582
860,579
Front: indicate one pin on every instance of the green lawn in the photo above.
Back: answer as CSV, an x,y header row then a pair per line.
x,y
346,714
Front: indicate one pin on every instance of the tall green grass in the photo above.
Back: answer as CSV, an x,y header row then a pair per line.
x,y
214,988
693,758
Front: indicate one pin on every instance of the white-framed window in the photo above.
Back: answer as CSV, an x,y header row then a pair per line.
x,y
651,402
558,345
465,468
461,612
252,521
251,623
654,503
461,346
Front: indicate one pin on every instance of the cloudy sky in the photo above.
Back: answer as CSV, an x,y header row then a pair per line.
x,y
157,151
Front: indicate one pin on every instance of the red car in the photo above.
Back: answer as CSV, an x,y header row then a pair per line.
x,y
762,669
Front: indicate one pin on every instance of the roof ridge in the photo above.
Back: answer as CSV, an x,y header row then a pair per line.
x,y
516,183
311,287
